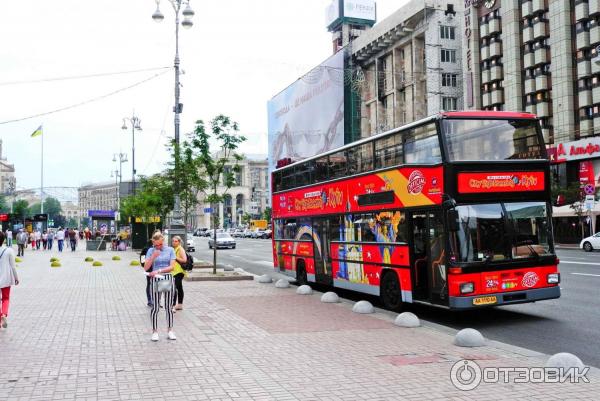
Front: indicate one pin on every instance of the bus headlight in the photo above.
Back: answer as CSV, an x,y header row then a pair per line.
x,y
553,278
466,288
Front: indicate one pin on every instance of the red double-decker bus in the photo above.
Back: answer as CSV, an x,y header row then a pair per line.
x,y
453,210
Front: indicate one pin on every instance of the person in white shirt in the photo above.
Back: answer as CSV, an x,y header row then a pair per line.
x,y
8,278
38,239
60,238
9,238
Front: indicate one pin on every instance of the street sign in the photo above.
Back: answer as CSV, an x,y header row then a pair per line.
x,y
208,210
589,189
50,223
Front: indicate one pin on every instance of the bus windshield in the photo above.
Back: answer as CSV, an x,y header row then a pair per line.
x,y
501,232
492,139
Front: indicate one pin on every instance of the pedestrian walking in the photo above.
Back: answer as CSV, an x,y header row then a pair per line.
x,y
38,239
22,238
9,238
60,238
45,240
178,272
73,239
161,259
50,239
32,240
148,279
8,278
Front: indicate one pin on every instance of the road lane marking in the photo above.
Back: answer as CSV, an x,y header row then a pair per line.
x,y
264,263
586,274
569,262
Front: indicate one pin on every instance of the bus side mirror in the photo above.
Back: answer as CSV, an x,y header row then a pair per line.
x,y
452,216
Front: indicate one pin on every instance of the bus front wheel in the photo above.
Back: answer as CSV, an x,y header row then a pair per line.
x,y
391,295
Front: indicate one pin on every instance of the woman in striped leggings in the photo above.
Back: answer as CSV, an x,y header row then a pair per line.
x,y
161,260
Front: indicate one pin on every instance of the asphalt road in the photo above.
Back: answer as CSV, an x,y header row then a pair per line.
x,y
568,324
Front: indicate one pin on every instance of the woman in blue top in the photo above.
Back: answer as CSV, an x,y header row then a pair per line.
x,y
160,259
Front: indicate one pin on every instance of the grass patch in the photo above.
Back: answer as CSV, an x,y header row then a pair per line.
x,y
89,259
116,257
97,263
134,263
55,264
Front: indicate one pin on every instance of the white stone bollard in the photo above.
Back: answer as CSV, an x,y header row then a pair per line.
x,y
363,307
469,338
330,298
564,360
407,319
265,279
304,290
282,283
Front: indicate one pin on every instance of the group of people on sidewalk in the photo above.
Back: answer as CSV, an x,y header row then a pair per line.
x,y
44,239
165,274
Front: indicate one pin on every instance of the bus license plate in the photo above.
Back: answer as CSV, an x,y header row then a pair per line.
x,y
485,300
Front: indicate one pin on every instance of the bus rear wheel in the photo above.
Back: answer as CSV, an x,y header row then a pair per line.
x,y
301,277
391,295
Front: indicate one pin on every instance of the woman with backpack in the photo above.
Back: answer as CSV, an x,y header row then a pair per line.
x,y
178,272
8,278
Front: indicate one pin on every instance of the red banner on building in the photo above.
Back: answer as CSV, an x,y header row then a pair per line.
x,y
473,183
586,173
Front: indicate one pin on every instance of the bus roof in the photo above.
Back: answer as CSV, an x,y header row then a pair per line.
x,y
445,114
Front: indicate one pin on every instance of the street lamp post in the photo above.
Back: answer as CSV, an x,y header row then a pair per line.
x,y
118,174
135,123
177,226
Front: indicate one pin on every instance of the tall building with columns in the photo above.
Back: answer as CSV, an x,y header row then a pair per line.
x,y
249,195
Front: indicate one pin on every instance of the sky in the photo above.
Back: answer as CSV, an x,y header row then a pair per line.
x,y
237,56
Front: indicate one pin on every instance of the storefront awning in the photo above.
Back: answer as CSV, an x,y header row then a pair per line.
x,y
567,211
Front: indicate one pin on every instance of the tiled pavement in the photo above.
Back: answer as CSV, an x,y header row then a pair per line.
x,y
83,332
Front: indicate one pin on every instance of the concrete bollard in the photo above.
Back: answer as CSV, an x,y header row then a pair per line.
x,y
330,297
564,360
304,290
282,283
407,319
469,338
265,279
228,268
363,307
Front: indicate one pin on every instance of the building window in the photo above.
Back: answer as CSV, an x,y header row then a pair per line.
x,y
448,56
449,103
449,80
447,32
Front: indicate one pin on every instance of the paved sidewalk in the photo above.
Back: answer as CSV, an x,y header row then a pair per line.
x,y
83,332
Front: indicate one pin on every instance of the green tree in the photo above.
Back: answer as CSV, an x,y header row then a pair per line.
x,y
21,208
266,215
157,190
224,136
246,218
51,207
4,207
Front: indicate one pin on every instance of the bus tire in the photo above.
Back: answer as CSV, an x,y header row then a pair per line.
x,y
301,277
587,247
391,295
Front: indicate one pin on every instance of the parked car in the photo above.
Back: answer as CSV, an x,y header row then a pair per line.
x,y
238,233
200,232
588,244
224,240
258,233
191,246
268,233
247,233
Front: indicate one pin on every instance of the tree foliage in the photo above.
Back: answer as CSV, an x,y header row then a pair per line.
x,y
21,208
219,163
266,214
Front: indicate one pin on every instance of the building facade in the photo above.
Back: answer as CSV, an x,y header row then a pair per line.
x,y
8,182
250,195
408,66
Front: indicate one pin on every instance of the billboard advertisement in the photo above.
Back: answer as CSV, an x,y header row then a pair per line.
x,y
307,117
360,9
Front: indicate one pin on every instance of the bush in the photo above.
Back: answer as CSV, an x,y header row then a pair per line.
x,y
89,259
134,263
55,264
97,263
116,257
54,259
18,260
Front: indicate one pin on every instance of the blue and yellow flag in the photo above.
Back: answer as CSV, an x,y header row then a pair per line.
x,y
37,132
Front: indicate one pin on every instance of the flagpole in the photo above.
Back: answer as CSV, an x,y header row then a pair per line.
x,y
42,178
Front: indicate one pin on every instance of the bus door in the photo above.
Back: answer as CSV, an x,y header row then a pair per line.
x,y
428,267
321,251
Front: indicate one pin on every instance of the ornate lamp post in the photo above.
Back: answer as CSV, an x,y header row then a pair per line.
x,y
135,123
177,226
118,174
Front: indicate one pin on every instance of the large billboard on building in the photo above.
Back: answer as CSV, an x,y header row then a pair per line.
x,y
307,117
360,11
